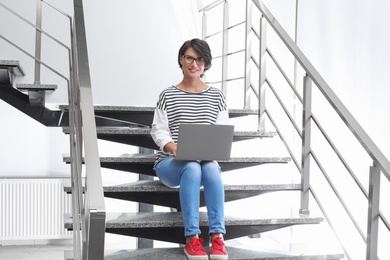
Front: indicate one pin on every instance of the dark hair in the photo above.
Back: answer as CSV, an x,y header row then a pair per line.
x,y
201,47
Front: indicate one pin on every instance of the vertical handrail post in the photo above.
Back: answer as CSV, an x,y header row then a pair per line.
x,y
38,40
204,32
225,41
373,213
262,73
248,54
93,212
204,25
306,145
75,138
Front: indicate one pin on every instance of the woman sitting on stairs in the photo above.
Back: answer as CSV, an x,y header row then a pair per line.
x,y
192,101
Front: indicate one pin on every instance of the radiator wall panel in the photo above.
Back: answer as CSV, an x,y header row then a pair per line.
x,y
33,209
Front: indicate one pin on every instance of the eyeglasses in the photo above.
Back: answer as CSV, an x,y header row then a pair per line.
x,y
189,59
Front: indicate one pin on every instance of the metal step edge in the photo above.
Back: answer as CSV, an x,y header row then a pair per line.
x,y
157,186
99,108
174,219
146,131
150,159
14,65
36,87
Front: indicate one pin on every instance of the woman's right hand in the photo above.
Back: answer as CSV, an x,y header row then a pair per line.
x,y
171,147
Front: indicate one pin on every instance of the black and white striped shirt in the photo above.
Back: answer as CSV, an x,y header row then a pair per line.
x,y
176,106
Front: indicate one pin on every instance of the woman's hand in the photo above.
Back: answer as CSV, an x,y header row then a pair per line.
x,y
171,147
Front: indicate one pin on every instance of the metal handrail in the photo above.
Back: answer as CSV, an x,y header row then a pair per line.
x,y
380,162
88,216
44,33
33,25
370,147
367,143
94,212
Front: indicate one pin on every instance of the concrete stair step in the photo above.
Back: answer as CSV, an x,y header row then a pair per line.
x,y
36,92
9,69
144,115
155,193
168,226
143,164
178,254
141,136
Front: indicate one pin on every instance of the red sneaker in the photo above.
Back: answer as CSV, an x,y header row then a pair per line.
x,y
194,250
218,250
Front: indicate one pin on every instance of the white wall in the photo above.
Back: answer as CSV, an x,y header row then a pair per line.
x,y
132,48
347,41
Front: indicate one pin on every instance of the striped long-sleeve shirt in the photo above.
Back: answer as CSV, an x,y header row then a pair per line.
x,y
176,106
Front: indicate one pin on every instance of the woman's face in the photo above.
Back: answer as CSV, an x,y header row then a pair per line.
x,y
192,64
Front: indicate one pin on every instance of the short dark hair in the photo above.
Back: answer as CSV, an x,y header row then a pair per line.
x,y
201,47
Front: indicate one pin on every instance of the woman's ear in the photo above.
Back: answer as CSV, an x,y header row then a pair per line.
x,y
181,60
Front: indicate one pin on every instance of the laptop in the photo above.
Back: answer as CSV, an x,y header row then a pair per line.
x,y
204,142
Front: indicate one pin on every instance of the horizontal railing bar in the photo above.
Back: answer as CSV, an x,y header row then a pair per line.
x,y
31,56
284,108
220,81
255,32
58,10
228,54
255,62
337,152
329,222
387,225
347,167
221,31
33,25
254,90
338,195
211,5
284,141
364,139
285,76
237,78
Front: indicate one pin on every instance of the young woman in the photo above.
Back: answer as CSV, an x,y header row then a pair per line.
x,y
192,101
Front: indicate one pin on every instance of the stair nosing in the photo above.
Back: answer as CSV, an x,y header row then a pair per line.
x,y
174,219
157,186
150,159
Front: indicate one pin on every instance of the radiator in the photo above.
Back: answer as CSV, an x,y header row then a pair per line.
x,y
33,209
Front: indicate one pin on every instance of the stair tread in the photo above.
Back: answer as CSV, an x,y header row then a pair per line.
x,y
174,219
157,186
102,108
150,159
143,164
146,131
36,87
177,254
14,65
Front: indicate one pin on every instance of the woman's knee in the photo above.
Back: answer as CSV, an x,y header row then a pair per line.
x,y
211,167
211,173
192,170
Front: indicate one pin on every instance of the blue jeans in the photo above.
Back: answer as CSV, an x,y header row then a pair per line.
x,y
190,176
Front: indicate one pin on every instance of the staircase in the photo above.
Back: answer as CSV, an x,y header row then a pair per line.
x,y
168,226
246,218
